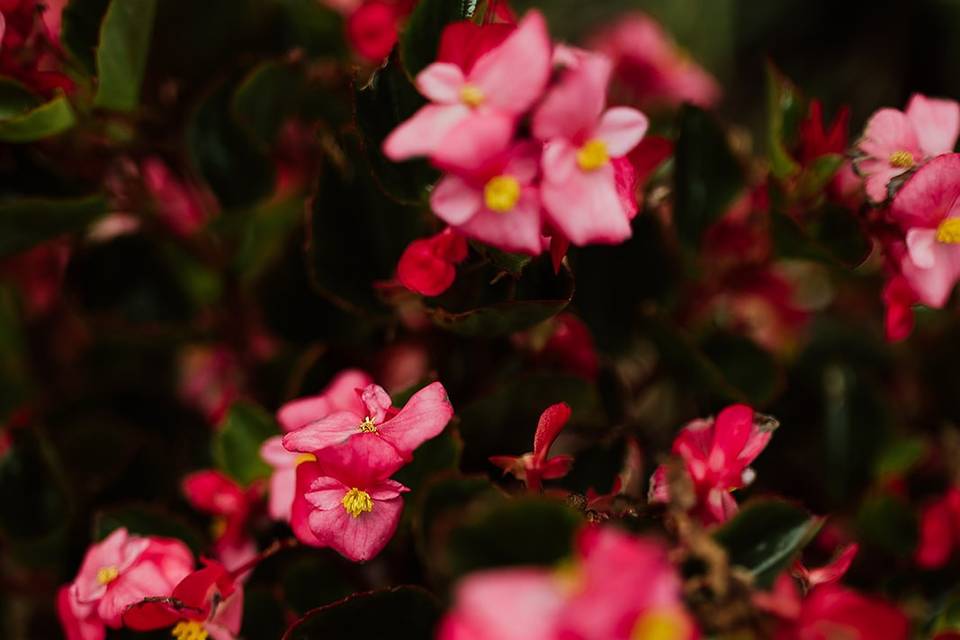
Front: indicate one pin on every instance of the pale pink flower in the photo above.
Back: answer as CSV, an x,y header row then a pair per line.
x,y
579,190
476,110
895,142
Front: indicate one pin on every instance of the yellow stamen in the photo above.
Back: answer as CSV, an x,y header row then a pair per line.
x,y
367,426
304,457
471,96
218,527
901,159
568,577
949,231
356,502
501,194
659,625
189,630
106,575
593,155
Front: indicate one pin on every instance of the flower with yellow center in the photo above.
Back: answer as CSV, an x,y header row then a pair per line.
x,y
356,502
106,575
949,231
658,624
901,159
593,155
189,630
471,95
367,426
501,194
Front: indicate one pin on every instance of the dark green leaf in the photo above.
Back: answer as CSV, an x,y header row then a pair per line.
x,y
267,97
15,98
27,222
236,445
402,612
745,365
437,455
44,121
818,175
766,536
886,523
146,520
125,36
33,504
707,176
785,109
420,39
80,30
835,236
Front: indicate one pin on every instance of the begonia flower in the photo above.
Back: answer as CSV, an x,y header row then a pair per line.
x,y
716,454
898,300
212,492
117,572
832,611
571,347
429,266
532,468
183,207
829,573
939,531
895,142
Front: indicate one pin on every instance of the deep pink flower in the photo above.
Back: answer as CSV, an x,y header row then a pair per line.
x,y
209,380
832,611
717,456
895,141
372,29
831,572
497,203
342,394
395,433
183,207
346,501
208,602
927,208
651,68
429,266
939,530
476,109
463,43
571,347
898,299
534,467
116,572
579,189
212,492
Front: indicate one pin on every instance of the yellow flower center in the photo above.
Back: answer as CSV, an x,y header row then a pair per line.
x,y
367,426
471,96
356,502
593,155
304,457
659,625
189,630
901,159
501,194
949,231
106,575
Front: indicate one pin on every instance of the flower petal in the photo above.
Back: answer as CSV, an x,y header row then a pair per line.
x,y
513,75
516,230
889,131
586,207
424,416
936,122
424,132
326,432
476,140
930,195
361,538
441,82
621,129
573,105
454,200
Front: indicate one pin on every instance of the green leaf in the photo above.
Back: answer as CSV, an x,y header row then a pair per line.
x,y
15,98
267,96
80,30
745,365
420,39
707,176
537,295
125,36
766,536
785,110
435,456
44,121
818,175
146,520
402,612
834,236
385,101
29,221
888,524
236,445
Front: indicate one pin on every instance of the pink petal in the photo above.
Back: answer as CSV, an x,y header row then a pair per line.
x,y
276,455
659,488
326,493
524,162
586,206
936,122
283,484
937,535
143,580
879,174
225,623
559,161
517,230
621,129
731,431
454,200
74,627
363,460
509,604
361,538
835,569
326,432
339,395
441,82
921,244
424,132
422,271
572,107
213,492
888,131
377,402
424,416
513,76
930,195
477,138
387,490
933,286
552,420
307,474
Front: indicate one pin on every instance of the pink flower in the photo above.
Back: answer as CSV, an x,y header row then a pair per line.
x,y
582,142
395,433
372,29
38,274
429,266
214,493
463,43
536,466
210,379
832,611
895,141
181,206
898,299
716,455
342,394
476,110
346,501
571,347
116,572
497,203
939,530
650,66
618,586
208,602
927,208
831,572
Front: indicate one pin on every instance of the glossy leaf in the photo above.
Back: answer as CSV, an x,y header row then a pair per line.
x,y
785,109
125,36
236,445
80,30
48,119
